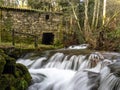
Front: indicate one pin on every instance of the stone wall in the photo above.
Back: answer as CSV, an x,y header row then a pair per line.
x,y
31,21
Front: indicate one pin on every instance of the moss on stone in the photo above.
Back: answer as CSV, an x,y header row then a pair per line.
x,y
10,65
21,84
12,88
2,64
12,76
6,81
2,61
22,71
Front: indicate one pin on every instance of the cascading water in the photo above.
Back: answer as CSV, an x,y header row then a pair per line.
x,y
75,72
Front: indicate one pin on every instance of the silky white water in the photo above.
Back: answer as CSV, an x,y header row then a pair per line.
x,y
95,71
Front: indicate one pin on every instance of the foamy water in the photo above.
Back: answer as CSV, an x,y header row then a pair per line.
x,y
76,72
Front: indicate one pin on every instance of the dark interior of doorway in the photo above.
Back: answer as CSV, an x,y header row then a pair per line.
x,y
48,38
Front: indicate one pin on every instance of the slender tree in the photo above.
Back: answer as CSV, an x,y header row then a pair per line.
x,y
97,13
104,11
94,14
74,5
86,21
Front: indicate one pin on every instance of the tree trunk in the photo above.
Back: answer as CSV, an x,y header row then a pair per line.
x,y
104,11
0,26
78,31
97,14
94,14
86,22
75,15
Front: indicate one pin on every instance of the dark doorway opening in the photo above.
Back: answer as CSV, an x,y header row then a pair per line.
x,y
48,38
47,17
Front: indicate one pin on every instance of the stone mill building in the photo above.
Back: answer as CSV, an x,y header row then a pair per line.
x,y
46,26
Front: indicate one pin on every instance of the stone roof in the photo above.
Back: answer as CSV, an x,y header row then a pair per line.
x,y
27,10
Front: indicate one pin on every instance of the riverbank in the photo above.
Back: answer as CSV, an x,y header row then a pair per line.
x,y
19,50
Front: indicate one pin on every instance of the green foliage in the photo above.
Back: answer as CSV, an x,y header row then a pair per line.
x,y
1,2
114,34
39,4
65,6
109,39
114,38
81,13
69,39
57,43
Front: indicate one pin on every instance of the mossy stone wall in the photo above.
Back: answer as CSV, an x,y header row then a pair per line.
x,y
31,22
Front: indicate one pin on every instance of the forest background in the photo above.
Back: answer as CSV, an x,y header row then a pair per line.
x,y
97,21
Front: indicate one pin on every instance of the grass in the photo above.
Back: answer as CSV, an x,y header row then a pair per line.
x,y
27,46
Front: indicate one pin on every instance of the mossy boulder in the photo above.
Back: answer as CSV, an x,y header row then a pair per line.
x,y
21,84
2,64
9,82
22,71
8,62
115,68
10,65
13,76
6,81
23,77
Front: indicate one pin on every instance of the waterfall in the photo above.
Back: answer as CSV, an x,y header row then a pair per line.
x,y
94,71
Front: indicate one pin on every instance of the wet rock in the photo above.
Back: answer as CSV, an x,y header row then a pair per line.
x,y
115,68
